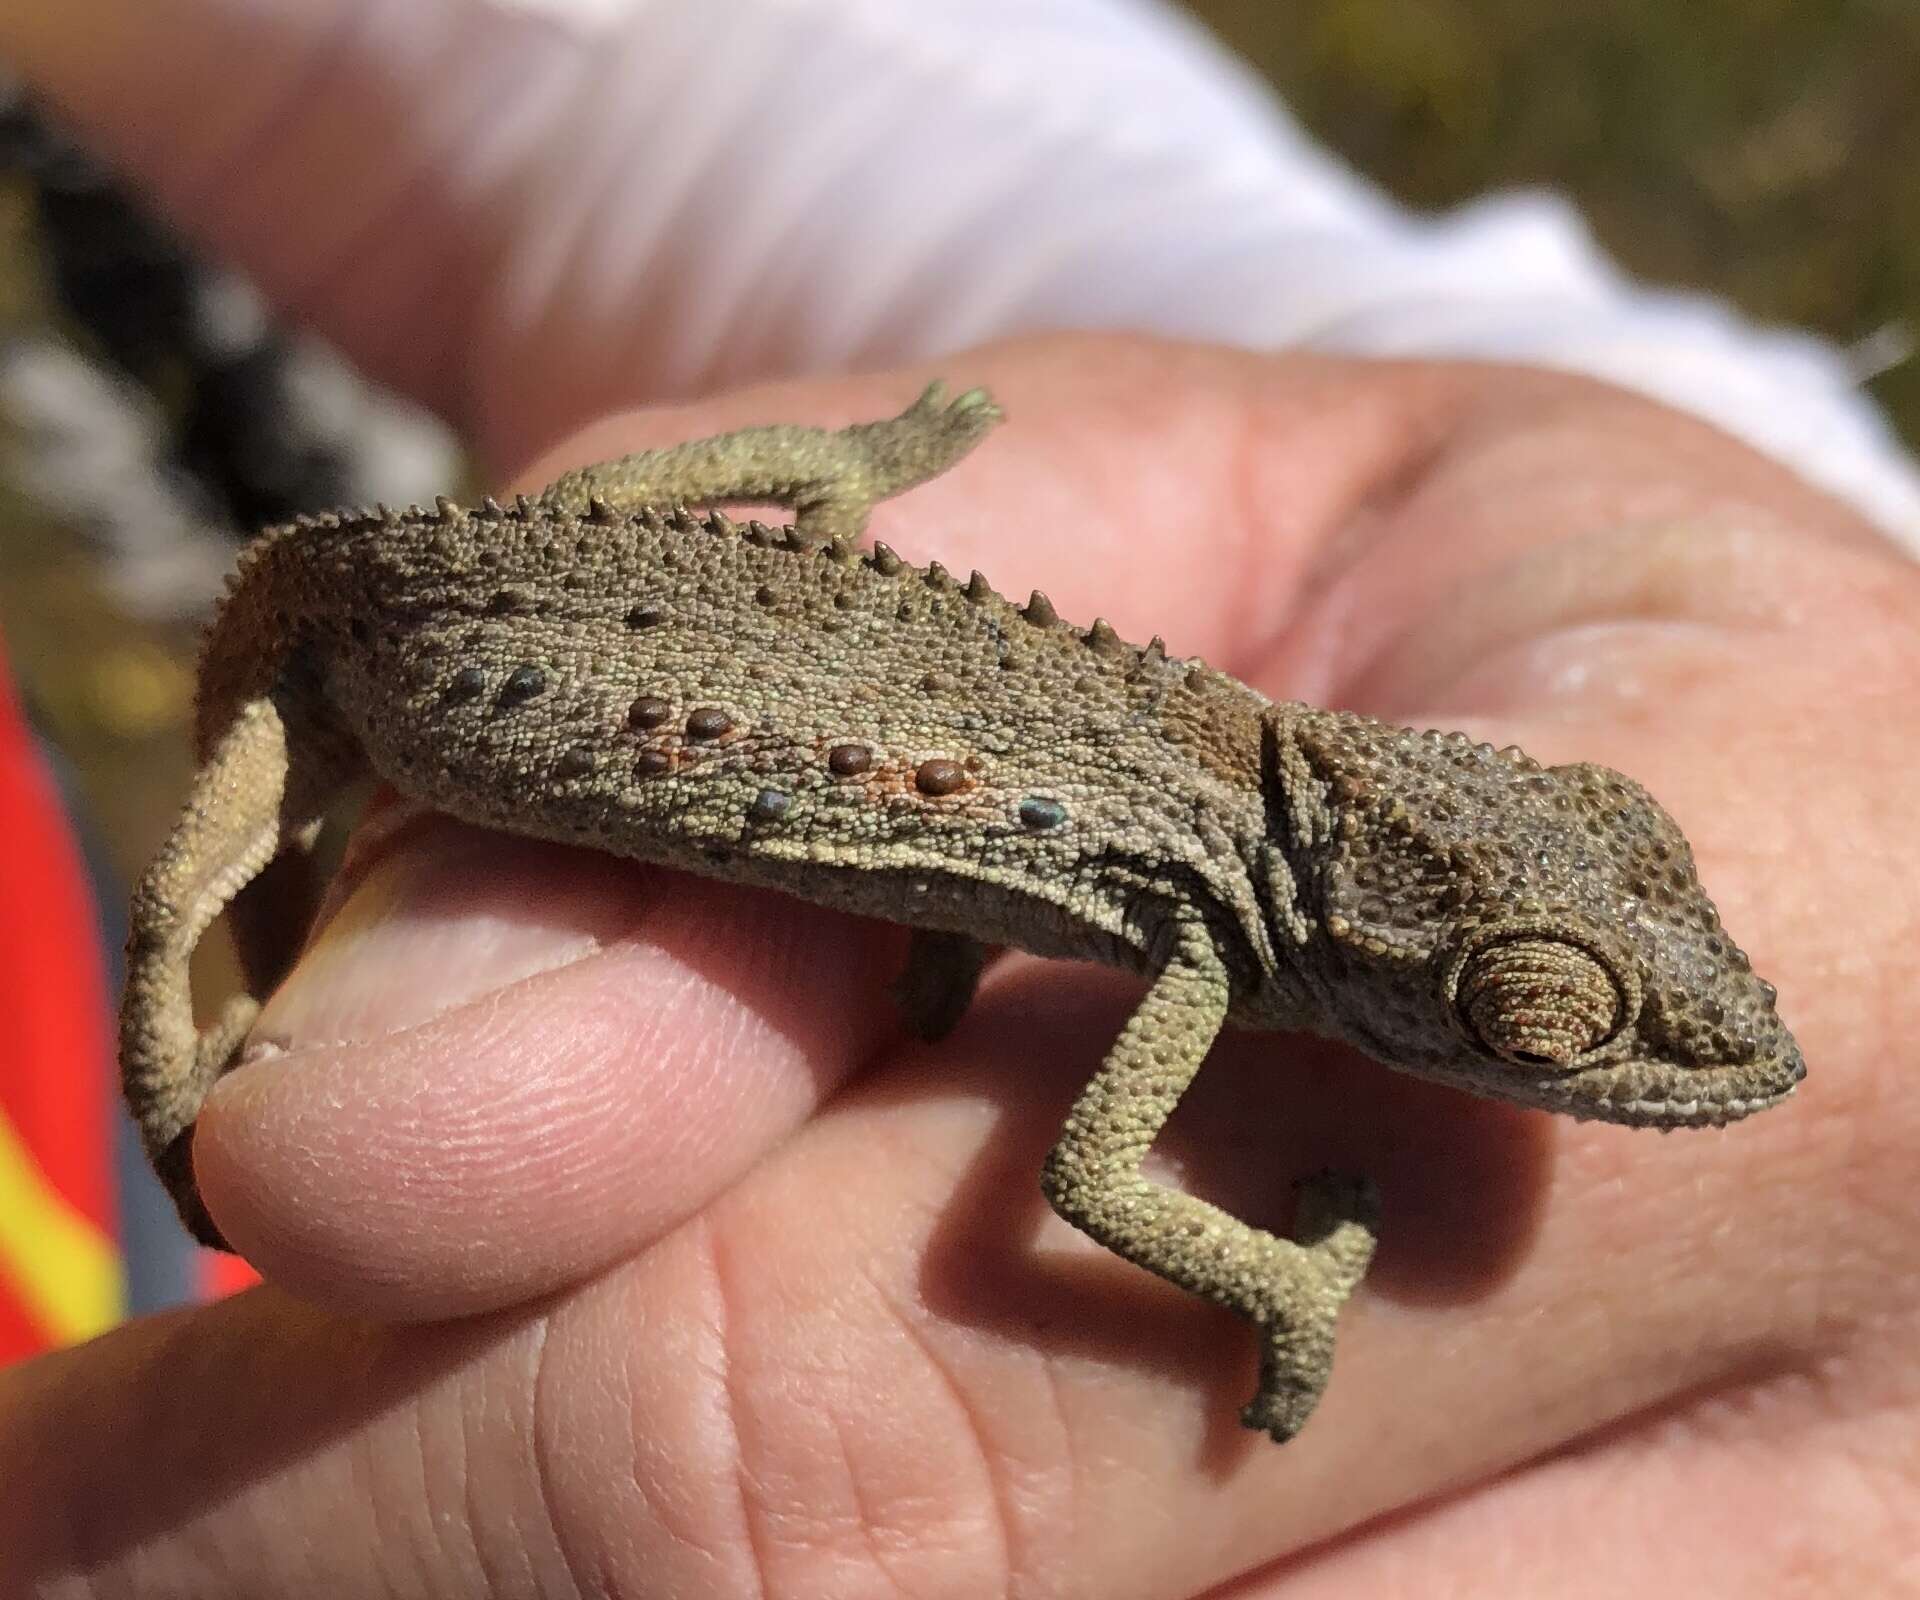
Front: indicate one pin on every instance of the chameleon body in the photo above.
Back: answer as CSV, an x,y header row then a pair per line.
x,y
600,666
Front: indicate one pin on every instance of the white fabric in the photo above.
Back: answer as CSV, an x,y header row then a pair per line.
x,y
874,179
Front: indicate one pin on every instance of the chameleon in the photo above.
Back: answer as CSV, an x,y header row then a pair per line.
x,y
601,665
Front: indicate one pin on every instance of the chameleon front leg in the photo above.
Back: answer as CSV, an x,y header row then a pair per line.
x,y
829,478
1290,1290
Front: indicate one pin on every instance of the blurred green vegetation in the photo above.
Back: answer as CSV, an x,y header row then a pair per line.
x,y
1767,150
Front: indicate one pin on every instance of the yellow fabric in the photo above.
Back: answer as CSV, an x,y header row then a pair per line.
x,y
61,1266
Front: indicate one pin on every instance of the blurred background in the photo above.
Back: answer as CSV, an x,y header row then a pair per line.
x,y
151,412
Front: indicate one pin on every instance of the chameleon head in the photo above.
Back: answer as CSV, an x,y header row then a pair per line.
x,y
1536,934
1614,1024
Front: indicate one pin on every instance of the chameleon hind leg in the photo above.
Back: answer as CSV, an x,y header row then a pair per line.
x,y
1291,1290
829,478
238,818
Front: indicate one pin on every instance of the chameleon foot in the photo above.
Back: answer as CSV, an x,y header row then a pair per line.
x,y
920,443
1334,1227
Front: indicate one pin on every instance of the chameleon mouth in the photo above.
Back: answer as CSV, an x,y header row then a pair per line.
x,y
1654,1094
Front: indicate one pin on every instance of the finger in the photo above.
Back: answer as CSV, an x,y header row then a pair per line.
x,y
1549,504
1726,1490
507,1064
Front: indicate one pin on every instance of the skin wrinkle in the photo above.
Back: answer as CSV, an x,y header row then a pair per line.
x,y
404,1537
661,1508
1629,670
1889,1478
1703,572
1748,1383
846,1428
753,1534
495,1581
1439,1521
1436,651
1006,1561
1075,1491
862,1513
1508,592
540,1443
1587,556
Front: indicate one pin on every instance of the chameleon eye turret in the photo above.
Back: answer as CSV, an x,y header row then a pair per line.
x,y
1539,1001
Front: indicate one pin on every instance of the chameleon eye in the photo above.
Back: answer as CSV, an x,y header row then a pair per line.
x,y
1539,1001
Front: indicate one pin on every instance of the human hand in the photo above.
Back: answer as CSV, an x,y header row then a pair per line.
x,y
625,1246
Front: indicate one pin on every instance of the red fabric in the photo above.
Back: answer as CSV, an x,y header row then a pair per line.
x,y
55,1044
20,1334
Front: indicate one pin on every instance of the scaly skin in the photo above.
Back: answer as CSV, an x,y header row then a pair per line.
x,y
598,666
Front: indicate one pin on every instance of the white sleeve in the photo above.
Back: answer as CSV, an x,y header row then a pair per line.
x,y
840,181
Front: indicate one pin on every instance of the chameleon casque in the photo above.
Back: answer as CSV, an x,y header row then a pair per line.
x,y
600,666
